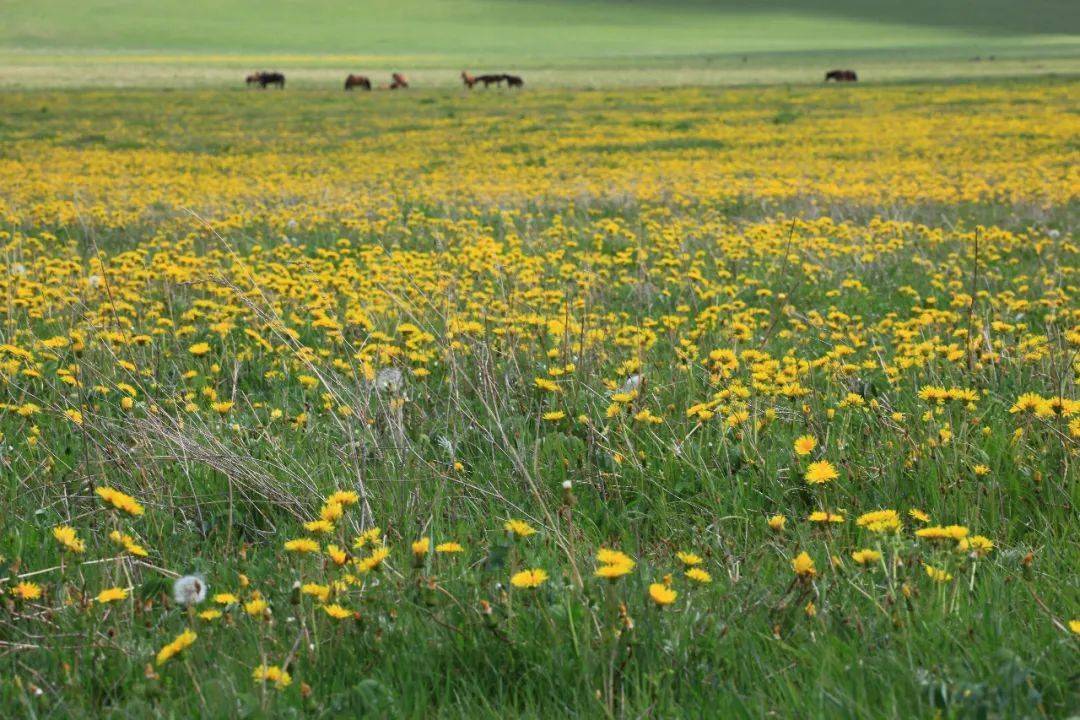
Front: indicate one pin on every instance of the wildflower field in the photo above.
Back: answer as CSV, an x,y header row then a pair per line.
x,y
686,403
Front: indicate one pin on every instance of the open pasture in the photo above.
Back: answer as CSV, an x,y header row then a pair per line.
x,y
628,403
554,43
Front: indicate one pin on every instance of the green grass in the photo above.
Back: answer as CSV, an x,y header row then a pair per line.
x,y
171,42
514,29
984,646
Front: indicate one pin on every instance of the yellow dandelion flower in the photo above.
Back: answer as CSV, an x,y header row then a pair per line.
x,y
373,561
519,528
319,592
937,532
614,571
256,606
689,558
607,556
26,591
820,472
371,537
319,526
331,512
937,575
866,557
302,545
343,497
547,385
182,641
698,575
272,674
977,545
112,595
68,538
879,521
449,547
805,445
120,501
820,516
529,578
337,555
337,611
661,594
803,565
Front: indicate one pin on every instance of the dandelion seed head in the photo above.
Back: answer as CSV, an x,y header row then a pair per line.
x,y
189,590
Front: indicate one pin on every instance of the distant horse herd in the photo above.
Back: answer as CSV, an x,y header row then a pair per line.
x,y
495,79
399,82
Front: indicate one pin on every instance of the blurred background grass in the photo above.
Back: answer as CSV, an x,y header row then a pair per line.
x,y
590,42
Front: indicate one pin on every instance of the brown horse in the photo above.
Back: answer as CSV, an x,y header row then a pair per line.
x,y
496,79
262,79
399,82
841,76
360,81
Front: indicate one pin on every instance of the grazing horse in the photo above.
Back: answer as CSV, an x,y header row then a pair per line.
x,y
514,81
399,82
360,81
267,78
841,76
252,79
471,80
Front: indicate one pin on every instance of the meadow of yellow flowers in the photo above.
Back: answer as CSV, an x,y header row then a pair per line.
x,y
712,403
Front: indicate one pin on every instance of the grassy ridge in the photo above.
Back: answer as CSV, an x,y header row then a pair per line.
x,y
501,29
598,43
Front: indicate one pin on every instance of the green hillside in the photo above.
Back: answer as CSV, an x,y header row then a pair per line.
x,y
541,29
601,42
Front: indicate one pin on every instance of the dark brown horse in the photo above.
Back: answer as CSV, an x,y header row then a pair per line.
x,y
841,76
514,81
262,79
360,81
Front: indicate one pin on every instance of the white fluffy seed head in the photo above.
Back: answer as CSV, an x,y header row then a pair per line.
x,y
566,484
189,590
389,380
